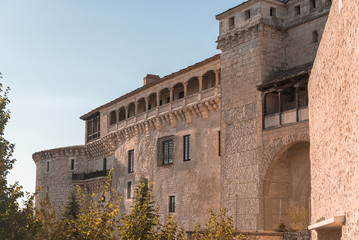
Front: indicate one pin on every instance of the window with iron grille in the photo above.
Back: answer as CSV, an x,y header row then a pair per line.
x,y
167,152
131,161
187,148
172,204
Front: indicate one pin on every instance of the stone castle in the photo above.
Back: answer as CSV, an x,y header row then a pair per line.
x,y
231,131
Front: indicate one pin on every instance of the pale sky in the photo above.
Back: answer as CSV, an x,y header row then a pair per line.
x,y
63,58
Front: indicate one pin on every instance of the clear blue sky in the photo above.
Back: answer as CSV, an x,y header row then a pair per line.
x,y
63,58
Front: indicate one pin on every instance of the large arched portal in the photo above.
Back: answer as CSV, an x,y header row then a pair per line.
x,y
287,184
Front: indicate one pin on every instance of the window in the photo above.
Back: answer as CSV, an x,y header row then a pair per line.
x,y
297,10
149,106
231,22
168,99
172,204
47,166
247,14
180,95
272,12
313,4
187,148
72,164
219,143
113,117
168,152
104,164
315,37
131,161
129,190
93,127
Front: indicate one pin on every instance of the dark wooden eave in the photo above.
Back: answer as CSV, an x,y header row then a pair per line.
x,y
282,77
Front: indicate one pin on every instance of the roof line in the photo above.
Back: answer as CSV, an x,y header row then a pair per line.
x,y
163,79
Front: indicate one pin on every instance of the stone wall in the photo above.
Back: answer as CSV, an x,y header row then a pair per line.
x,y
333,104
54,174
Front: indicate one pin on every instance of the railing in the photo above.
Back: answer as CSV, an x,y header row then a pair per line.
x,y
176,104
286,117
90,175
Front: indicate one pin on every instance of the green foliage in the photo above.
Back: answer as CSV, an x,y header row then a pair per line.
x,y
98,218
11,217
217,227
142,221
170,231
72,208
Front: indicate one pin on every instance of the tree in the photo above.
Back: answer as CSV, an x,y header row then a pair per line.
x,y
218,227
143,221
170,231
99,216
9,194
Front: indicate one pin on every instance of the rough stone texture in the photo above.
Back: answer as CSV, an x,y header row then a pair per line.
x,y
251,51
333,94
258,167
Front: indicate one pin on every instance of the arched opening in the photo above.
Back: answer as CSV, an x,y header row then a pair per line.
x,y
131,110
208,80
121,114
152,101
112,117
193,86
164,96
141,106
287,188
178,91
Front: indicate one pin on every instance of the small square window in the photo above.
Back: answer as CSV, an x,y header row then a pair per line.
x,y
231,22
172,204
131,161
187,148
272,12
297,10
129,190
247,14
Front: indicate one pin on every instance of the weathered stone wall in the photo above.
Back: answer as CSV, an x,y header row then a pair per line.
x,y
194,183
333,104
57,179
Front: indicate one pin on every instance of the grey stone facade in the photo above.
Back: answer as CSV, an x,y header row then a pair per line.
x,y
246,112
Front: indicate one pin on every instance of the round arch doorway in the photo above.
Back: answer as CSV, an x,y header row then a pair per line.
x,y
287,183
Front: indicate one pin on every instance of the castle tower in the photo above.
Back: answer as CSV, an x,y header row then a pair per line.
x,y
267,52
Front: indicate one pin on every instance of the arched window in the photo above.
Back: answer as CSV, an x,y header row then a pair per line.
x,y
131,110
208,80
152,101
112,117
178,91
164,96
141,106
121,114
193,86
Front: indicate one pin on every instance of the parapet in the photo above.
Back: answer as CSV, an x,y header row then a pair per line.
x,y
71,151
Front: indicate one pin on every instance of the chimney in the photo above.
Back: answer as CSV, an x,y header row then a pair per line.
x,y
150,78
